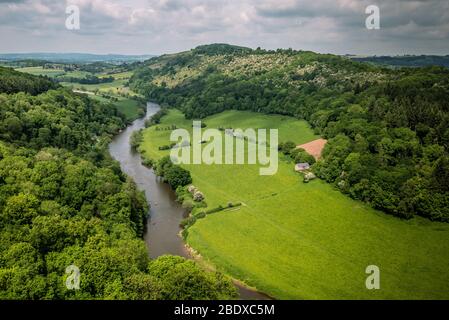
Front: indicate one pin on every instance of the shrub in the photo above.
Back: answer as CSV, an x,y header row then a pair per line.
x,y
198,196
287,147
148,162
177,176
136,139
188,205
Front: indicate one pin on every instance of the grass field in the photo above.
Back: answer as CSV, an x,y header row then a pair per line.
x,y
40,71
119,76
306,241
129,107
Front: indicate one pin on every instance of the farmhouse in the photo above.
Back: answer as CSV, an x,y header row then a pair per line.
x,y
300,167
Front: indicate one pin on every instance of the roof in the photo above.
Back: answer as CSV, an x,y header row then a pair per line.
x,y
302,166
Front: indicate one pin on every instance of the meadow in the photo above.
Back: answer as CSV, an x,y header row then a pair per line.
x,y
293,240
40,71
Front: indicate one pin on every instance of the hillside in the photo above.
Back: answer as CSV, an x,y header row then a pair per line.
x,y
388,130
12,82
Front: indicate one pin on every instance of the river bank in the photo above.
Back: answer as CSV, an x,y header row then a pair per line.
x,y
162,235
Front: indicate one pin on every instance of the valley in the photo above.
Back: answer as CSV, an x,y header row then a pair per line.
x,y
293,240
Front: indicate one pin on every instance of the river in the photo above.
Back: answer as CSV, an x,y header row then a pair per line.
x,y
162,235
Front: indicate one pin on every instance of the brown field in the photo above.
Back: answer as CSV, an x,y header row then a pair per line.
x,y
314,148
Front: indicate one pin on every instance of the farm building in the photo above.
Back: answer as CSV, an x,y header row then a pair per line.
x,y
300,167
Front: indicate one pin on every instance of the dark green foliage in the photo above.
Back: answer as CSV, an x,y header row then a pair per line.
x,y
64,202
12,81
220,48
301,156
183,280
408,61
173,174
89,79
156,118
57,118
136,139
287,147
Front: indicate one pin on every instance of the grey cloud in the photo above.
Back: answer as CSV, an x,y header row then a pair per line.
x,y
158,26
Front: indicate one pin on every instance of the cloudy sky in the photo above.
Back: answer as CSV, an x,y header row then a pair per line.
x,y
161,26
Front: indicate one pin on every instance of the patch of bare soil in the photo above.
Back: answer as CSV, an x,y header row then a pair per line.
x,y
314,148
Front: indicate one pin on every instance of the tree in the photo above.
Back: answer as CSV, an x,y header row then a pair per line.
x,y
177,176
183,280
287,147
20,209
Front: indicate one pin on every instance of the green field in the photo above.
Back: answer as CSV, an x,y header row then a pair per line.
x,y
119,75
129,107
306,241
109,87
40,71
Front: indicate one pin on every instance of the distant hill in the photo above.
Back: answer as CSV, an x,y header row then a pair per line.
x,y
407,61
73,57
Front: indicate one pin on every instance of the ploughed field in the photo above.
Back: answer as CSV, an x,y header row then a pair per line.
x,y
304,241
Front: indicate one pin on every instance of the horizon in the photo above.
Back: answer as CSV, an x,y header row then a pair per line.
x,y
164,53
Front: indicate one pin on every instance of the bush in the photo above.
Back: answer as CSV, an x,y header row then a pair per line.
x,y
136,139
198,196
201,215
177,176
148,162
301,156
286,147
187,222
188,205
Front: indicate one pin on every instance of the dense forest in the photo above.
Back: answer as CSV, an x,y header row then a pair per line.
x,y
64,201
388,130
407,61
14,81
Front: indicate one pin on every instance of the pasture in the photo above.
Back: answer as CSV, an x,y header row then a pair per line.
x,y
305,241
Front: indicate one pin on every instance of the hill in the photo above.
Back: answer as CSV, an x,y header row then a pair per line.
x,y
388,130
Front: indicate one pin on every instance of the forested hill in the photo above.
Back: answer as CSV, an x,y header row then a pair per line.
x,y
13,81
388,130
64,202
